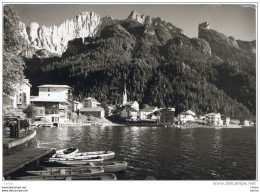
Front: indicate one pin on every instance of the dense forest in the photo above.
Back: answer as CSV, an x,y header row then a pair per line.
x,y
160,68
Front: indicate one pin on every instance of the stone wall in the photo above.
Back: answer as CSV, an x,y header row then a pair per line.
x,y
29,141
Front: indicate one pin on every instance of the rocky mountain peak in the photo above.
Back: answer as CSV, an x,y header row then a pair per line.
x,y
204,25
55,38
135,16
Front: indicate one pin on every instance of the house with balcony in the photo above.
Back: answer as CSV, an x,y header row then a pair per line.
x,y
55,102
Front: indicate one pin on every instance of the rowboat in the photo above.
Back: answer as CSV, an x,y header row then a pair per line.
x,y
104,154
74,161
69,152
69,171
103,176
109,166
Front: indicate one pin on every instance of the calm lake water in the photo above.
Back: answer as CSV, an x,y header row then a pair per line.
x,y
166,153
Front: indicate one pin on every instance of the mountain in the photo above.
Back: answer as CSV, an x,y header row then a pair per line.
x,y
160,65
54,40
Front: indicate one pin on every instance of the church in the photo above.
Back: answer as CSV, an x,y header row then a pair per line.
x,y
131,108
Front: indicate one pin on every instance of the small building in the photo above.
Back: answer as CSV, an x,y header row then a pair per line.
x,y
132,104
132,114
246,123
235,121
91,102
147,112
227,121
76,106
187,116
214,119
95,112
20,98
129,114
167,115
110,109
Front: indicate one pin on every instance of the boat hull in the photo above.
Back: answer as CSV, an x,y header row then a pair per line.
x,y
102,154
68,171
62,153
109,167
104,176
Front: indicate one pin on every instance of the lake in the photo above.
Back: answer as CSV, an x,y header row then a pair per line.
x,y
166,153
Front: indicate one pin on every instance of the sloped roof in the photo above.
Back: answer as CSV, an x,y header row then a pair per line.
x,y
130,102
54,86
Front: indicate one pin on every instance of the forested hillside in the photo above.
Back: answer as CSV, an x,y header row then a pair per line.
x,y
160,65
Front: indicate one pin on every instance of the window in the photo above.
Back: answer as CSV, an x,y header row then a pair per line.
x,y
48,94
49,90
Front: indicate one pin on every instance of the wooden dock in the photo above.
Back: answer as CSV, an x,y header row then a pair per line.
x,y
17,160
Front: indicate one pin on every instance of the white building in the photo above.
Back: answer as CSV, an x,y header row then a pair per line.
x,y
90,102
227,120
147,112
133,104
21,97
55,101
246,123
95,112
214,119
77,106
129,114
187,116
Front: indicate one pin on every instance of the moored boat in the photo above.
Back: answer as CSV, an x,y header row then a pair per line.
x,y
69,152
108,166
73,161
79,158
111,166
68,171
103,176
73,152
104,154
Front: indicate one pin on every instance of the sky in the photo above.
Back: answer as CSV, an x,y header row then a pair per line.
x,y
238,21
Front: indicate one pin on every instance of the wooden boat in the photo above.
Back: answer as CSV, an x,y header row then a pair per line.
x,y
83,158
73,161
104,154
103,176
69,171
109,166
69,152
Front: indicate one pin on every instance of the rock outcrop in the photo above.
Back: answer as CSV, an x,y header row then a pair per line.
x,y
55,39
213,37
156,26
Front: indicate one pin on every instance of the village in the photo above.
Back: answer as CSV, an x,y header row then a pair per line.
x,y
54,106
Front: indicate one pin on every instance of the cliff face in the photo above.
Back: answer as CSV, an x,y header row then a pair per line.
x,y
55,39
157,27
